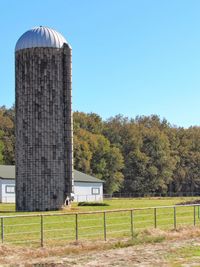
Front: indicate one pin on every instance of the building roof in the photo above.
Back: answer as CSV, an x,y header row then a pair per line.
x,y
40,37
8,172
82,177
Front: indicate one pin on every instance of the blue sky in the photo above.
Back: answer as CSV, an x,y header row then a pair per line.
x,y
130,57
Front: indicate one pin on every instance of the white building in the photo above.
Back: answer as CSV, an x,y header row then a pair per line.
x,y
86,187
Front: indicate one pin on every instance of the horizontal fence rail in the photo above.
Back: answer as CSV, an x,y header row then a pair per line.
x,y
49,229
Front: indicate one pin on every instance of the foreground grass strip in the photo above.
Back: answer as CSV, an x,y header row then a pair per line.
x,y
185,255
74,248
146,239
176,247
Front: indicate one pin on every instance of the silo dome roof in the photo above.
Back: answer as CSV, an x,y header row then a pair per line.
x,y
40,37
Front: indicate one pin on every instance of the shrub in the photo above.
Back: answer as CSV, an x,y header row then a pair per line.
x,y
92,204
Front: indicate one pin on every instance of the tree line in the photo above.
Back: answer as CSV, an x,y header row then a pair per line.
x,y
143,155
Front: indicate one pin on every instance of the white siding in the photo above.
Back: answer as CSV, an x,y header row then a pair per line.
x,y
7,185
83,191
88,191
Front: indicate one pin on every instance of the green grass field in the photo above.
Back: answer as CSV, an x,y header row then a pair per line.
x,y
69,225
115,203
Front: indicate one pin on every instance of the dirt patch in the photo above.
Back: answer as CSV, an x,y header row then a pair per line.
x,y
152,252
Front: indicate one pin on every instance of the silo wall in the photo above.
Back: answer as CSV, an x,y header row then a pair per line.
x,y
44,130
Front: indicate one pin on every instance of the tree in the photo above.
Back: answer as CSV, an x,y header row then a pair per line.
x,y
90,122
1,148
142,155
186,174
149,164
7,134
94,155
82,155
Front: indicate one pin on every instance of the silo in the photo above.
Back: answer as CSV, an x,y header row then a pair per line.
x,y
44,127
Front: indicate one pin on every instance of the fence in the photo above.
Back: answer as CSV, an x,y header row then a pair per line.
x,y
47,229
88,198
7,199
150,194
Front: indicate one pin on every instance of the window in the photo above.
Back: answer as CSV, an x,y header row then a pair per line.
x,y
95,191
10,189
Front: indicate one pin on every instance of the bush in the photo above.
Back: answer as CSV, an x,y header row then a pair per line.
x,y
92,204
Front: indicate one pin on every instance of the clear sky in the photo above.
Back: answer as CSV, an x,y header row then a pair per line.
x,y
130,57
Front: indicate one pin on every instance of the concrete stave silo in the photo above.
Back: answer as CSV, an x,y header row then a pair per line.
x,y
44,127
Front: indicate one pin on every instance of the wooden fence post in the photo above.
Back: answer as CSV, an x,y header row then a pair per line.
x,y
194,215
174,217
155,218
132,234
104,224
41,231
76,219
2,230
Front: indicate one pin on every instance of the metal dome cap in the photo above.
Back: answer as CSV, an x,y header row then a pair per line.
x,y
40,37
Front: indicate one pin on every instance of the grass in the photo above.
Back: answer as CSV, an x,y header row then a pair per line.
x,y
171,248
58,229
9,253
115,203
139,239
184,255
